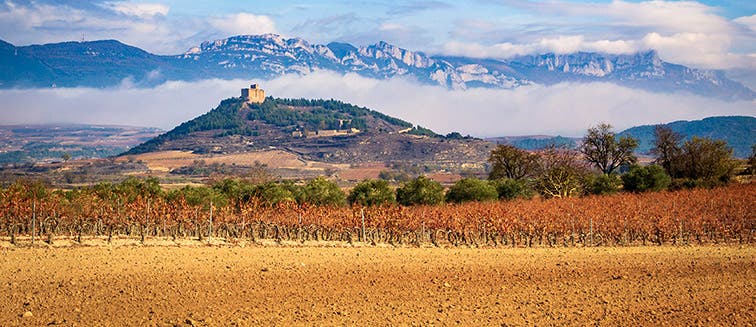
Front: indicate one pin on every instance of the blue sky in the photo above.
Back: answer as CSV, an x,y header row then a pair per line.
x,y
705,34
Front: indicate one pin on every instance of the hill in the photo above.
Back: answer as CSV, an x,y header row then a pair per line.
x,y
325,131
109,62
738,131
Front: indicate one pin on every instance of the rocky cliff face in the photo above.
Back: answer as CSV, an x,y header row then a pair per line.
x,y
269,56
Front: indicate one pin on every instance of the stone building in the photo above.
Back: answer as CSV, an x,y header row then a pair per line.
x,y
253,94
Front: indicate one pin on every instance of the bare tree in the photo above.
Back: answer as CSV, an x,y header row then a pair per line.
x,y
561,173
602,149
511,162
667,149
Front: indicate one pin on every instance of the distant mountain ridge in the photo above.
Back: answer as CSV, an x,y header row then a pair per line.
x,y
738,131
107,63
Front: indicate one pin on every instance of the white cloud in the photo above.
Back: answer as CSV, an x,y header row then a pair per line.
x,y
701,50
142,10
747,21
146,25
243,23
663,16
683,32
559,45
164,106
566,109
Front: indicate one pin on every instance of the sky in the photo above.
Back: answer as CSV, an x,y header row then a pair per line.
x,y
705,34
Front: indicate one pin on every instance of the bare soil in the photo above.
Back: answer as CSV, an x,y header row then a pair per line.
x,y
211,285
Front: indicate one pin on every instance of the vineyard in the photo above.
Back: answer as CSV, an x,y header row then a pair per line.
x,y
31,213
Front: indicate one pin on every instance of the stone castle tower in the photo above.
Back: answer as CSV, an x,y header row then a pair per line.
x,y
253,94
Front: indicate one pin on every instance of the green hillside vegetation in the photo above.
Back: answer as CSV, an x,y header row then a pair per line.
x,y
287,114
738,131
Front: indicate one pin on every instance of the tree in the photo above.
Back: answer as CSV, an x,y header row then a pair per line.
x,y
708,160
510,162
421,190
602,149
648,178
471,189
510,189
65,156
560,173
321,191
667,149
371,192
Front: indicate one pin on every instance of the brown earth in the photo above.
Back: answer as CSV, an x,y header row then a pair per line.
x,y
133,285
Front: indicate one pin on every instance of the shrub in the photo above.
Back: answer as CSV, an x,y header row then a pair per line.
x,y
421,190
603,184
273,193
509,189
321,191
471,189
371,192
648,178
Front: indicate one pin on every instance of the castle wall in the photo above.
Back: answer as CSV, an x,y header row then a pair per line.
x,y
253,94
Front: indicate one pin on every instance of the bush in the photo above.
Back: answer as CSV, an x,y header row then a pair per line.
x,y
273,193
510,189
603,184
393,176
648,178
689,183
371,192
321,191
471,189
421,190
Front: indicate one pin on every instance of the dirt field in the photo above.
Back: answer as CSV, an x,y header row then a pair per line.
x,y
131,285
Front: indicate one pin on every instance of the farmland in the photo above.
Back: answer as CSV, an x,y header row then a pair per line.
x,y
100,258
687,217
377,286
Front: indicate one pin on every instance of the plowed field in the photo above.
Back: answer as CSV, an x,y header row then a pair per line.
x,y
164,286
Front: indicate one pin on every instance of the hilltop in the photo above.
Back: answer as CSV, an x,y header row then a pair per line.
x,y
316,131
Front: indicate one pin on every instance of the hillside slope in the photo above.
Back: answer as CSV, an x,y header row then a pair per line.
x,y
738,131
318,130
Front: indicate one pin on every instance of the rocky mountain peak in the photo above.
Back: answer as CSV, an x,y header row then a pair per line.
x,y
271,55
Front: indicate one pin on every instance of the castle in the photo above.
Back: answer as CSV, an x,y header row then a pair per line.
x,y
253,94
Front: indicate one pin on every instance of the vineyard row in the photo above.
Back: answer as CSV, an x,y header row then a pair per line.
x,y
699,216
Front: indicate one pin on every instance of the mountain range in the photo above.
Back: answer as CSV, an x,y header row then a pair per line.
x,y
109,63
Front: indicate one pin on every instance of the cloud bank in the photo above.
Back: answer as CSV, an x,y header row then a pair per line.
x,y
683,32
563,109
